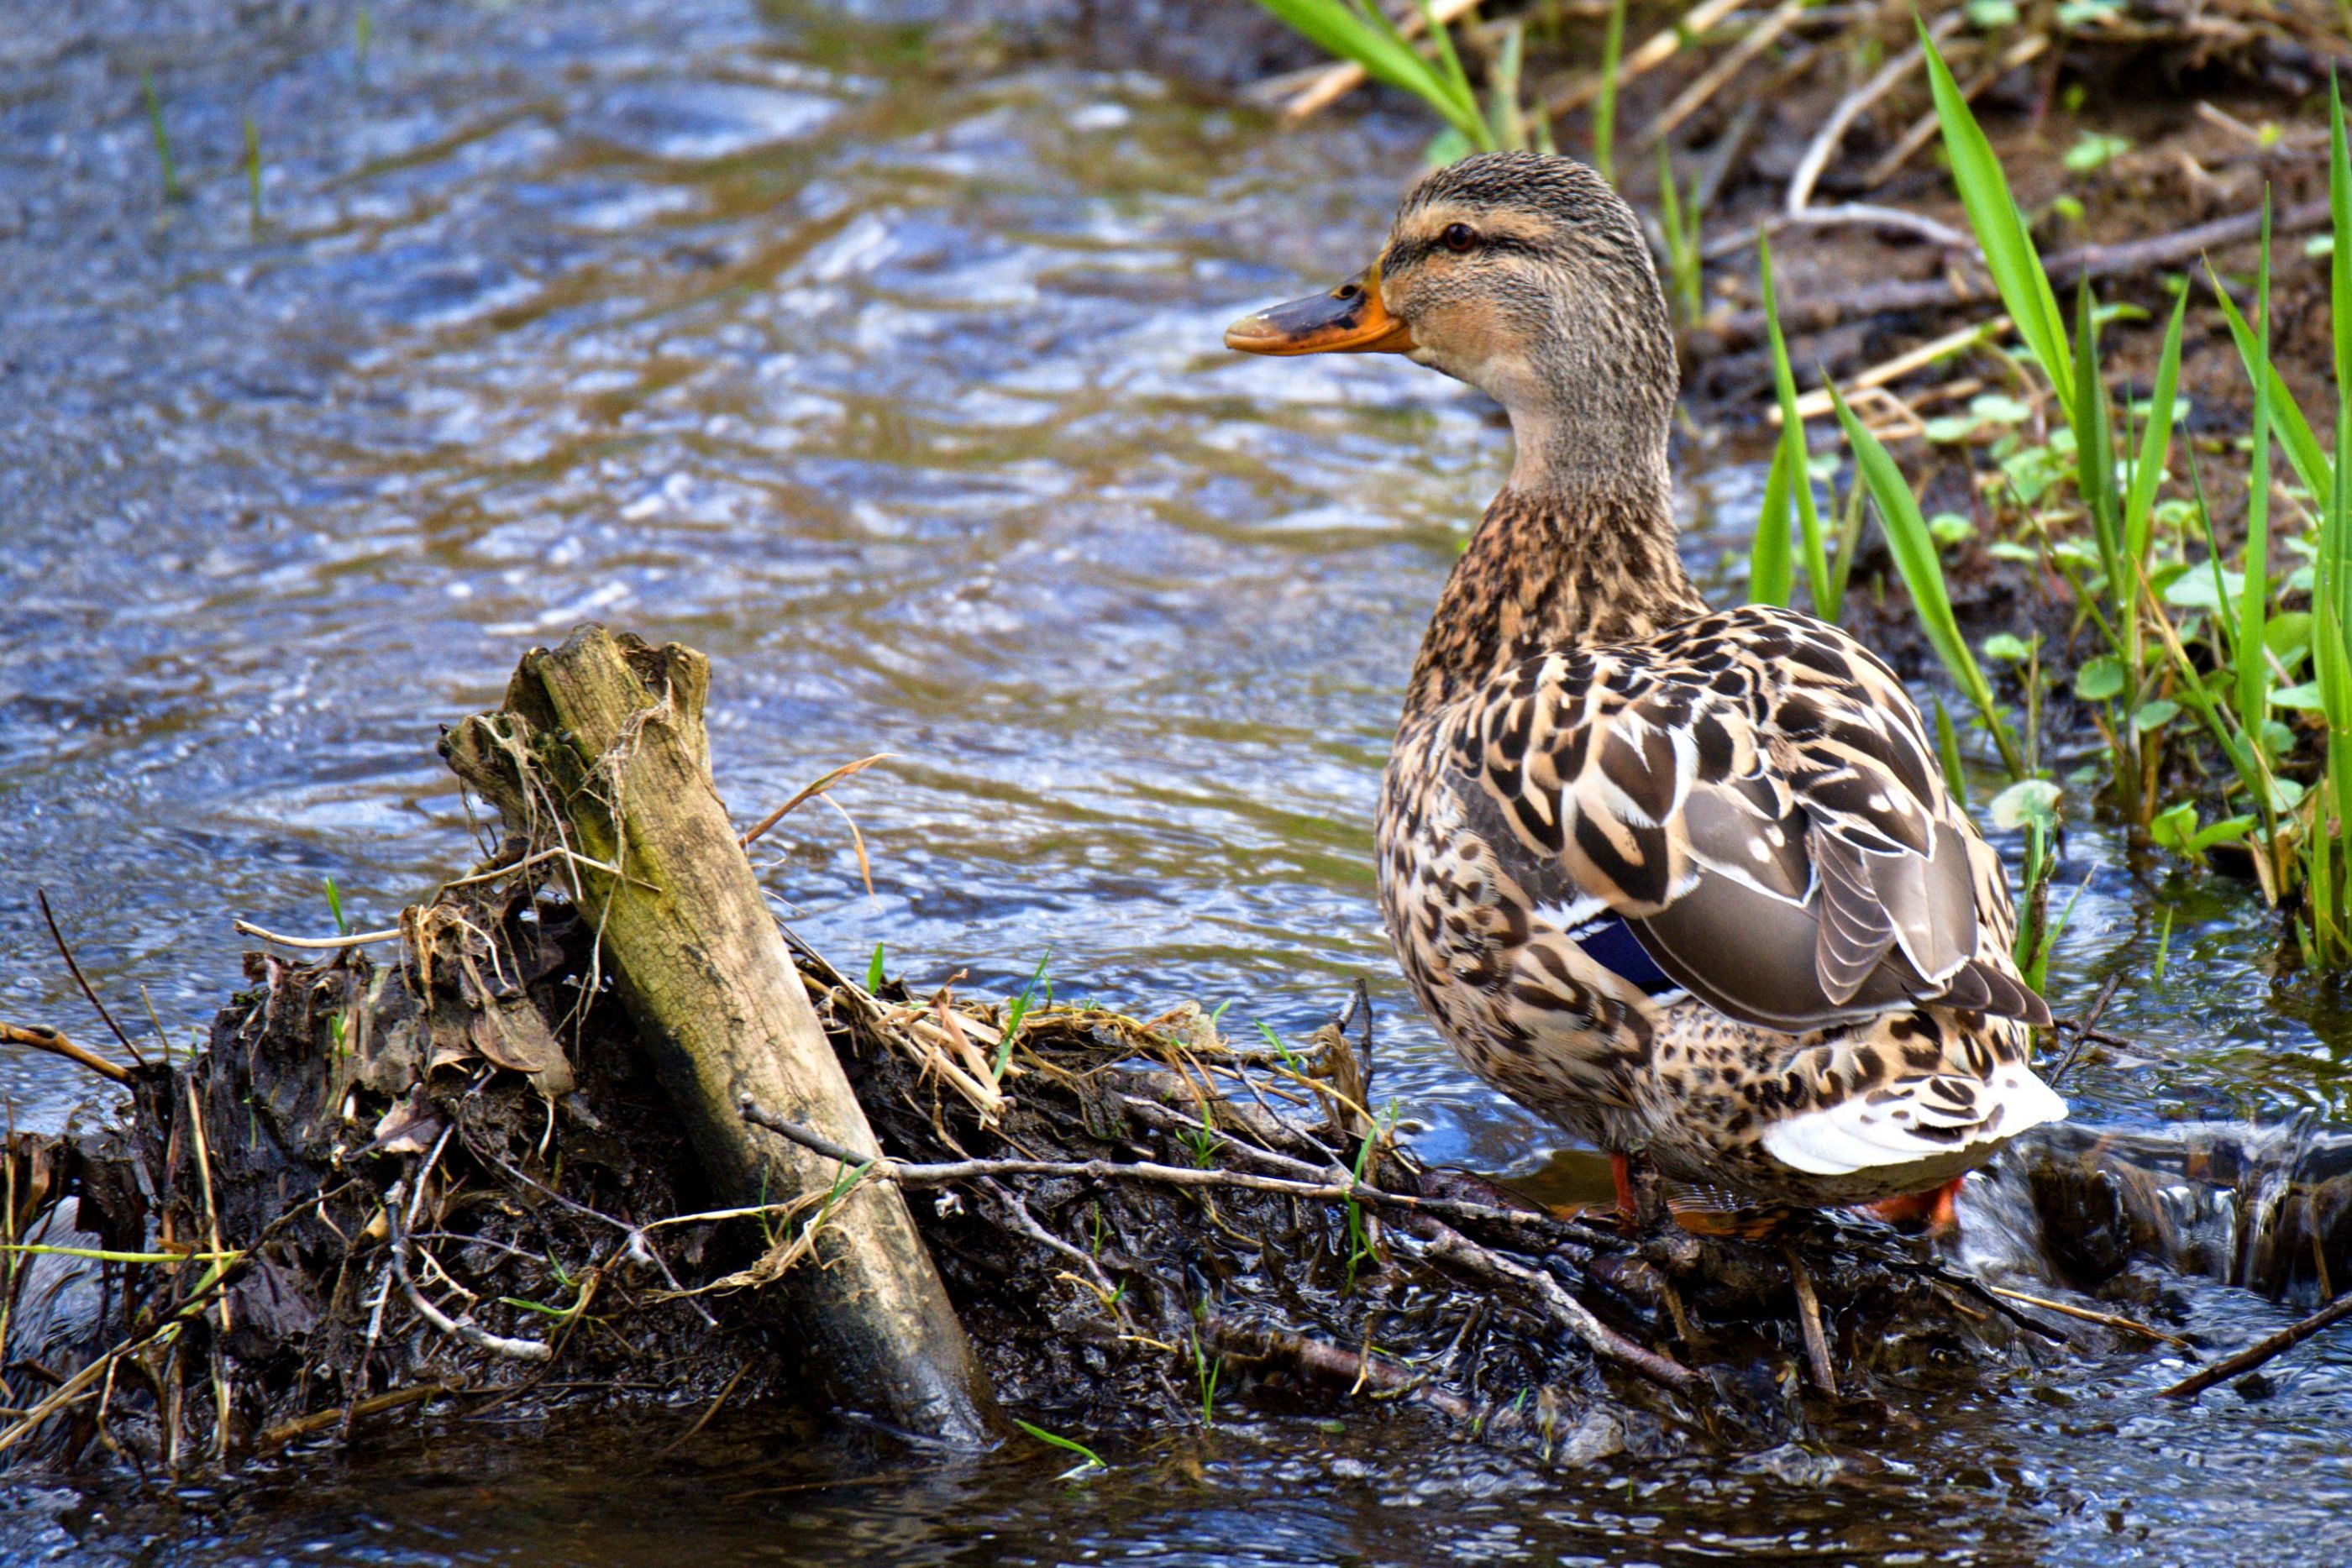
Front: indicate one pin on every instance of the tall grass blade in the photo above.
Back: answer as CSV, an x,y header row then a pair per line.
x,y
2147,467
1457,81
2332,601
1772,567
2303,453
2254,605
1503,110
2009,253
1793,445
173,190
253,175
2094,452
1604,108
1914,548
1948,752
1361,33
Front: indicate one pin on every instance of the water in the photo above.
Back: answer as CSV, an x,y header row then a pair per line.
x,y
878,358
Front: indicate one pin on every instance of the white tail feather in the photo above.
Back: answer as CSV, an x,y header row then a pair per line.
x,y
1868,1131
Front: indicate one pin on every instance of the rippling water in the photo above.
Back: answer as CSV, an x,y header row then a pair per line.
x,y
877,356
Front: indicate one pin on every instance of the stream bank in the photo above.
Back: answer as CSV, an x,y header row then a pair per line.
x,y
921,428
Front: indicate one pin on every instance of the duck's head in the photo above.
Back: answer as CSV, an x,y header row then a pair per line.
x,y
1527,276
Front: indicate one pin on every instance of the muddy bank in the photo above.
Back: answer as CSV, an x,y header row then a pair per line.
x,y
444,1165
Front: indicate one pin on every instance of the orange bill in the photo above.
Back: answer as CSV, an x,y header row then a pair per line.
x,y
1350,319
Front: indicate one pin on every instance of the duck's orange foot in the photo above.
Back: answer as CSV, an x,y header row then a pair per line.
x,y
1932,1210
1695,1210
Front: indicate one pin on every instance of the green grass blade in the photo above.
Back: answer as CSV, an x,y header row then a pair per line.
x,y
1457,81
2303,453
2336,532
1914,548
1067,1445
2254,606
1792,443
1349,34
1948,752
2001,231
2094,450
2339,213
2332,600
1771,569
1503,95
1604,108
2148,468
172,188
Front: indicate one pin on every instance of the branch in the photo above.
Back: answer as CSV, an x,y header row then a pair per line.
x,y
2254,1355
355,939
456,1329
1442,1243
41,1037
1334,1186
1743,327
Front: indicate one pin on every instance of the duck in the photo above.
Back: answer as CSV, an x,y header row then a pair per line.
x,y
1687,883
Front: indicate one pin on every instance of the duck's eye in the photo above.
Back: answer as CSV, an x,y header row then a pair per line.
x,y
1459,237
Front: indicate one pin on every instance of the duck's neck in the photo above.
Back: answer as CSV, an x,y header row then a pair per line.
x,y
1569,553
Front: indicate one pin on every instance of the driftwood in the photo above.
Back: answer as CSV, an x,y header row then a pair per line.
x,y
600,761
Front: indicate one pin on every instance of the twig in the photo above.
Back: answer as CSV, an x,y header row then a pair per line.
x,y
2023,52
640,1249
683,1438
41,897
2090,261
2254,1355
2105,1320
1329,84
1692,98
1328,1364
1825,145
356,938
1334,1185
1808,1322
285,1432
41,1037
458,1329
1653,52
2086,1030
1815,403
1845,214
212,1223
815,786
1446,1245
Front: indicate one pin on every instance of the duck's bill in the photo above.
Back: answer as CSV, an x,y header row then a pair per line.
x,y
1350,319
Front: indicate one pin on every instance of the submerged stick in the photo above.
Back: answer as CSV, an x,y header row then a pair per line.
x,y
1809,1321
2254,1355
1318,1361
601,752
2105,1320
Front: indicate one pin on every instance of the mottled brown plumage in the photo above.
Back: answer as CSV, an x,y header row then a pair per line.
x,y
1688,882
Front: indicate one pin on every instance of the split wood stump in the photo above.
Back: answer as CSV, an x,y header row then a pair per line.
x,y
600,757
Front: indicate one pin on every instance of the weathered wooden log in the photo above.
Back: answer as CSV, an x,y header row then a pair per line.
x,y
600,761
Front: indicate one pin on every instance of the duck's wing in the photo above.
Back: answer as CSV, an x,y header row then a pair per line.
x,y
1755,796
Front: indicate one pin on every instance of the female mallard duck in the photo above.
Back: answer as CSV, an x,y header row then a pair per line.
x,y
1688,882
